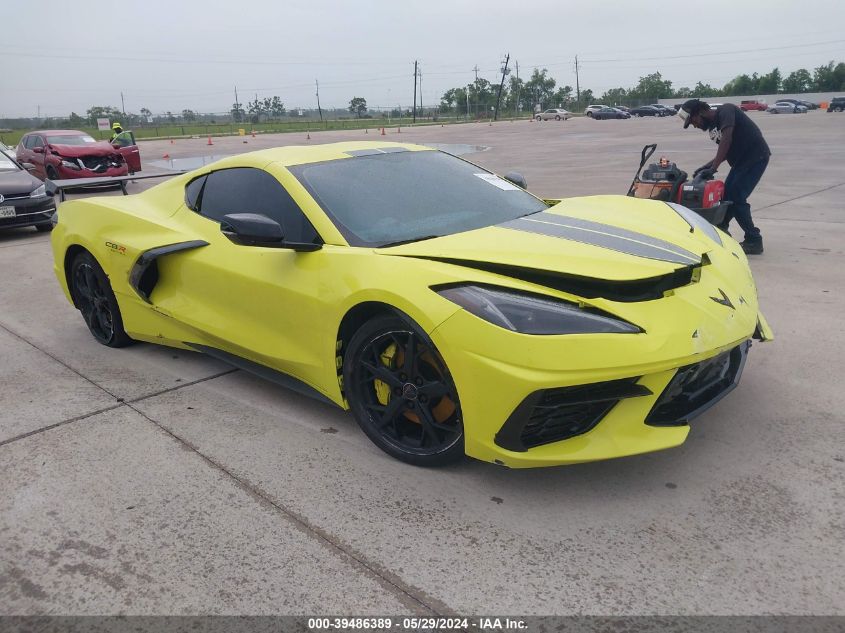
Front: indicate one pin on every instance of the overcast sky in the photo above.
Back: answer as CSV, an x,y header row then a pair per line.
x,y
67,56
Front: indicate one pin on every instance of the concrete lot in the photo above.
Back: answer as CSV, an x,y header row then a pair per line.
x,y
154,481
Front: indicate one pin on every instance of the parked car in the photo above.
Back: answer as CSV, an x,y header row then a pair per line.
x,y
557,114
645,111
59,154
414,297
23,198
786,107
752,104
807,104
623,108
610,113
591,109
837,104
664,110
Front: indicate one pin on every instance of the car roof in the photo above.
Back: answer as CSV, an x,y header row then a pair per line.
x,y
59,132
304,154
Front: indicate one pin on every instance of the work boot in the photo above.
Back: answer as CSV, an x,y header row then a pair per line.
x,y
752,248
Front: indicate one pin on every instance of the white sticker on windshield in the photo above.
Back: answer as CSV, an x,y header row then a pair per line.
x,y
498,182
88,139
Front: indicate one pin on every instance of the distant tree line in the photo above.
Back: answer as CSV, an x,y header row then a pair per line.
x,y
479,97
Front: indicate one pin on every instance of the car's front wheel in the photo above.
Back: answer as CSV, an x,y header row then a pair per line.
x,y
538,117
401,393
93,295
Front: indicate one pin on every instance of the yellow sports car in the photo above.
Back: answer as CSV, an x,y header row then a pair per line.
x,y
451,311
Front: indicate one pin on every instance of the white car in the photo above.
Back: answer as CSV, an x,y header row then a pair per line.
x,y
785,107
589,110
558,114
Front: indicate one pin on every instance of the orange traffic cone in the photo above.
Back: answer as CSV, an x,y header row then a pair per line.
x,y
209,140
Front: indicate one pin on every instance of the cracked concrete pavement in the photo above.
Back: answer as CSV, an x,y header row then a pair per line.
x,y
155,481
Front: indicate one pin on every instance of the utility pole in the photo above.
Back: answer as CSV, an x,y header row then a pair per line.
x,y
516,101
319,109
475,68
237,115
415,91
122,105
505,71
421,103
577,84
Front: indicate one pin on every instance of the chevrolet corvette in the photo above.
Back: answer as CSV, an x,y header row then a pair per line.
x,y
451,311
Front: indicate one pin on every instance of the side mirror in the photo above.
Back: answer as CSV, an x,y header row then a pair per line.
x,y
28,166
38,150
517,179
255,229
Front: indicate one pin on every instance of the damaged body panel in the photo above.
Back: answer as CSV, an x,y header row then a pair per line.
x,y
448,309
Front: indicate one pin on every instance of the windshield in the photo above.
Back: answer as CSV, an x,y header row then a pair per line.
x,y
6,162
70,139
400,196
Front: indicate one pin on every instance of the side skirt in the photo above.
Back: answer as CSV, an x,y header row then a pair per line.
x,y
262,371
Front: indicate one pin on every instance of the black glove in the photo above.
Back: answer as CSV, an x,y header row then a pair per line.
x,y
705,172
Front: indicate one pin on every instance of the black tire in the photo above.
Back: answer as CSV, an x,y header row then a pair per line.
x,y
589,114
557,117
401,393
44,228
51,172
839,109
538,117
93,296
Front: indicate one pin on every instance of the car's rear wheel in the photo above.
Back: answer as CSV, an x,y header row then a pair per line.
x,y
401,393
589,113
557,117
538,117
93,295
52,174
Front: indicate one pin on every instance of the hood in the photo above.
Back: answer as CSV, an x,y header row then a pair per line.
x,y
609,238
15,183
101,148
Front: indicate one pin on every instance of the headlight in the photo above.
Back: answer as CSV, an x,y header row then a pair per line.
x,y
71,163
697,222
532,314
40,192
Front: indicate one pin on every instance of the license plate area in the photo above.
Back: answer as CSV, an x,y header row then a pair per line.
x,y
7,212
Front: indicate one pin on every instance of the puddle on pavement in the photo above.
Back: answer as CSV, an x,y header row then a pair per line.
x,y
187,163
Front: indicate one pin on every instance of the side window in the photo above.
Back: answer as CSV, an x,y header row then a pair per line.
x,y
192,193
248,190
27,141
36,142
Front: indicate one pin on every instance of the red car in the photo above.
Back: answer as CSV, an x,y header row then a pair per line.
x,y
753,104
60,154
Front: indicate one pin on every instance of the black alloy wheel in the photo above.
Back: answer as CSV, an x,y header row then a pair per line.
x,y
52,174
401,393
92,294
557,117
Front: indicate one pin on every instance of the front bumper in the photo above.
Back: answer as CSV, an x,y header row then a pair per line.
x,y
66,172
496,372
28,212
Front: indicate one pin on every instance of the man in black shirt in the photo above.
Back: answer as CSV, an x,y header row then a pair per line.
x,y
742,144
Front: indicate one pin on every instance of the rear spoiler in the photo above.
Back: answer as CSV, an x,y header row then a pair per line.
x,y
59,186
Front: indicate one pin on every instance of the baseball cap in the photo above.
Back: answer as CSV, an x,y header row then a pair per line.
x,y
690,107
